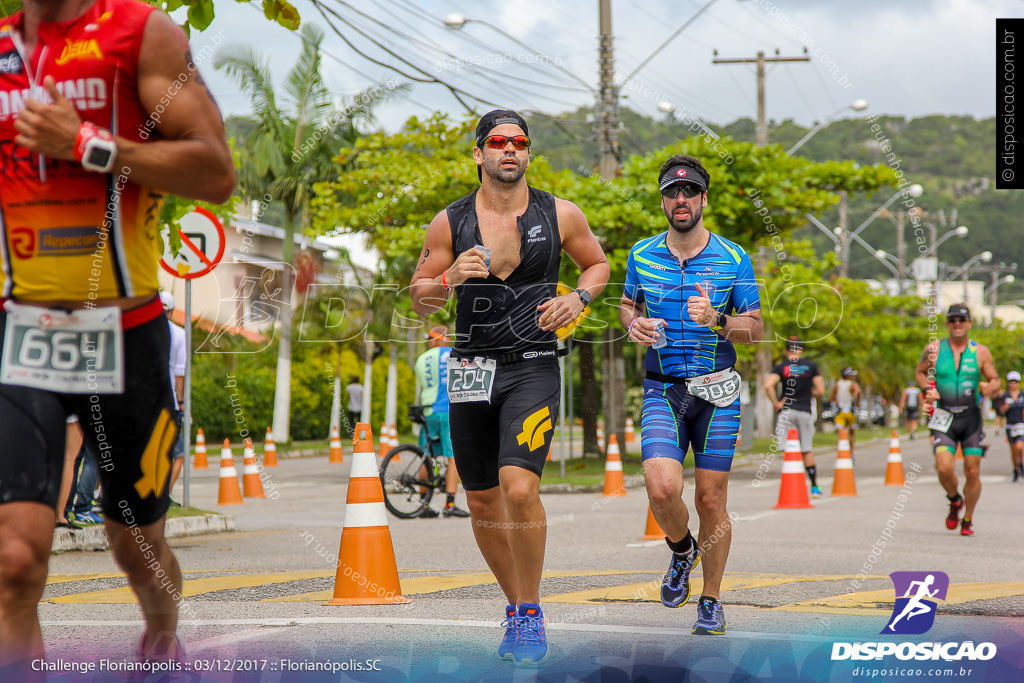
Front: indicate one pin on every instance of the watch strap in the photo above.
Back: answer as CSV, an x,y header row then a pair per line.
x,y
86,132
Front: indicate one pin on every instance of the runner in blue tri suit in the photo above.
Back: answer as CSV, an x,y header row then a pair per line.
x,y
702,288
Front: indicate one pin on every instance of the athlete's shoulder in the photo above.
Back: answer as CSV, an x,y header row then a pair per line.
x,y
648,243
466,200
728,248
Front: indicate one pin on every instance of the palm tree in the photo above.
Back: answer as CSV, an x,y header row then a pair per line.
x,y
292,147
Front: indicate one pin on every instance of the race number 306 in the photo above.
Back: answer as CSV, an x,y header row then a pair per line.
x,y
64,350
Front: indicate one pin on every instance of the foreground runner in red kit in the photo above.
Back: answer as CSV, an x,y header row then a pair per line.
x,y
101,111
503,381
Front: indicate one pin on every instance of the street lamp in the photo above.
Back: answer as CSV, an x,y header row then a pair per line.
x,y
856,105
670,108
959,231
965,269
456,21
990,293
898,270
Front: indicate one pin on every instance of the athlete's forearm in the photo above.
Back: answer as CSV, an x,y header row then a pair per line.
x,y
192,168
429,294
743,329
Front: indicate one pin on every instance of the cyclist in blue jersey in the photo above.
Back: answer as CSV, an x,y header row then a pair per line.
x,y
701,287
432,375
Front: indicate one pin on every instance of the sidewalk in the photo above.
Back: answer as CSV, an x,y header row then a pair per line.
x,y
94,538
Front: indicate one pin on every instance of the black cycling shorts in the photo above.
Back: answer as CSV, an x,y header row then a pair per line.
x,y
132,434
966,430
514,429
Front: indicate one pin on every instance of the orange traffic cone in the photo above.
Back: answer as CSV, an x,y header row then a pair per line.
x,y
383,442
200,462
614,484
230,493
959,452
843,484
269,450
600,437
793,491
894,467
336,456
630,435
252,487
652,531
367,572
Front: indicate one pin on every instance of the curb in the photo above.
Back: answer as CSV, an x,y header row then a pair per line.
x,y
94,538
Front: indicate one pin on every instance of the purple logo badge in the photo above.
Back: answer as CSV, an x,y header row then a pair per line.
x,y
914,611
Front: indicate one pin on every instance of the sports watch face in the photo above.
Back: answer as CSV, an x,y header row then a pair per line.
x,y
584,296
100,157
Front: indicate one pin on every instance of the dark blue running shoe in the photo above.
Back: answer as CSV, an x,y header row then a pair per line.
x,y
710,617
675,589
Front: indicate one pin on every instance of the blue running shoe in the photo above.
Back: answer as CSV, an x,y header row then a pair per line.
x,y
815,492
710,617
675,589
89,517
511,625
531,645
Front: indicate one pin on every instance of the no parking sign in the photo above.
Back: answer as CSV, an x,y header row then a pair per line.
x,y
202,239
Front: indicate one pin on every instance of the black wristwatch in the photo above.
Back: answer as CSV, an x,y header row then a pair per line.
x,y
584,296
719,324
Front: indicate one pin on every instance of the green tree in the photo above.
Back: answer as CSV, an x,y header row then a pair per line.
x,y
291,148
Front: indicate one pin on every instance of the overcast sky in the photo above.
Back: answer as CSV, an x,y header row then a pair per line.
x,y
911,57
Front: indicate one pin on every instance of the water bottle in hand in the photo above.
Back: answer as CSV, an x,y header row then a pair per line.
x,y
662,340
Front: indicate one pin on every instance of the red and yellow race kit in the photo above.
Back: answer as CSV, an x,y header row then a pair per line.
x,y
69,234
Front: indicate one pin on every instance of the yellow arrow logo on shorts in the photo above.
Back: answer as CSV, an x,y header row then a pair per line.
x,y
534,429
155,462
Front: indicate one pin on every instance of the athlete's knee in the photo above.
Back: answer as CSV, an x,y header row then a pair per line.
x,y
709,502
22,571
662,492
520,493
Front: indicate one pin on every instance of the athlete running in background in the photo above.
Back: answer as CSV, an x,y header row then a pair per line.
x,y
958,365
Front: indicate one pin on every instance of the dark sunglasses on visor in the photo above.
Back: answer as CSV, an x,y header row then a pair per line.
x,y
956,319
499,141
689,190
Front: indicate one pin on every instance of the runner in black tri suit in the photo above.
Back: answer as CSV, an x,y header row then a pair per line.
x,y
1011,406
499,248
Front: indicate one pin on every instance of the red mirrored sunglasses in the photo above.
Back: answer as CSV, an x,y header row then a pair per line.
x,y
519,142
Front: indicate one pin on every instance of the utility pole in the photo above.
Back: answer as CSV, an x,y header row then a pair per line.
x,y
760,60
608,105
607,135
901,251
763,409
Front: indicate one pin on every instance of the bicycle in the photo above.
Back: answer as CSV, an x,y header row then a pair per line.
x,y
409,474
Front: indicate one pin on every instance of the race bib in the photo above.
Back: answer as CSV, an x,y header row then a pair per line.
x,y
80,352
1015,429
720,388
941,420
470,379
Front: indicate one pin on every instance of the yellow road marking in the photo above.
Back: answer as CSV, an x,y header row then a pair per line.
x,y
194,587
651,591
421,585
871,602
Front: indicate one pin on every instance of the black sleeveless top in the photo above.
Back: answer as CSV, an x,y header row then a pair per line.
x,y
495,316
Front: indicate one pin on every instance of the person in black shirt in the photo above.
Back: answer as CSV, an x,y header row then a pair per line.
x,y
801,382
1011,406
500,248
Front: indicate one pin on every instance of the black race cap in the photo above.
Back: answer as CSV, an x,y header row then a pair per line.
x,y
794,344
493,119
958,310
681,173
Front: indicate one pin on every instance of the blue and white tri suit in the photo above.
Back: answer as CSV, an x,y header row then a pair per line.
x,y
672,419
